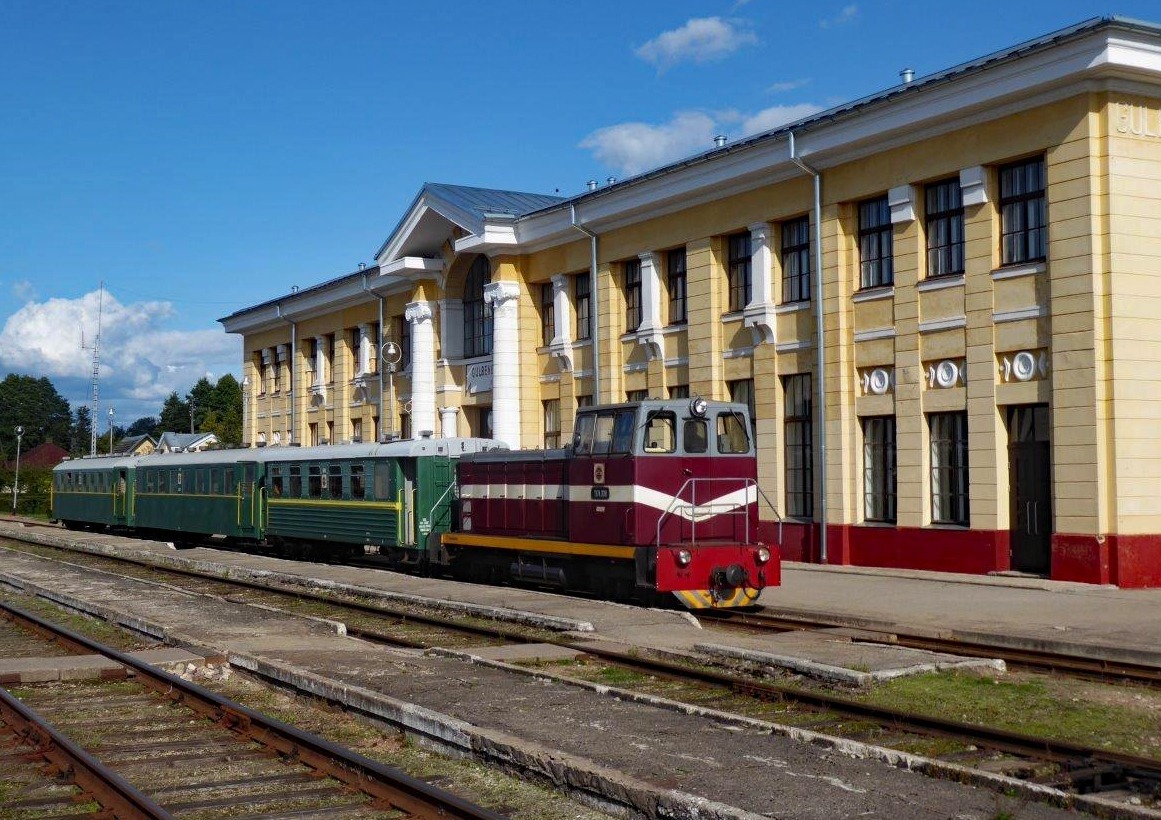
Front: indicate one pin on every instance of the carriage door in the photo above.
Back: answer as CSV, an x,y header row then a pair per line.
x,y
247,497
120,491
1030,479
407,467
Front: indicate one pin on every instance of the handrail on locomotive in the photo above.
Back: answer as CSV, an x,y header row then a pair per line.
x,y
677,506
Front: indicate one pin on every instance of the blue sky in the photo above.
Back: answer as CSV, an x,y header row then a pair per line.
x,y
200,157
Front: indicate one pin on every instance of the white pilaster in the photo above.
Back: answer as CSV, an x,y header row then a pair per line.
x,y
759,312
649,332
561,345
505,361
364,349
447,417
419,315
318,387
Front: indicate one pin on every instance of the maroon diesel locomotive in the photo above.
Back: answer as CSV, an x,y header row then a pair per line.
x,y
653,497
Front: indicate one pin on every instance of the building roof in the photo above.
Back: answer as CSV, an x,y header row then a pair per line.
x,y
185,441
129,444
46,454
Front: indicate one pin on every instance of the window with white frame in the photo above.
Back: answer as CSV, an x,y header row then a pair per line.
x,y
738,270
631,287
944,227
949,468
678,308
796,260
1023,212
879,487
876,259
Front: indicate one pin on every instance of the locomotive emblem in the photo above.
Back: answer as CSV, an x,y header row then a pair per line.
x,y
598,473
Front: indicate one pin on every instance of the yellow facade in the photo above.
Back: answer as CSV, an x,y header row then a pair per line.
x,y
1077,332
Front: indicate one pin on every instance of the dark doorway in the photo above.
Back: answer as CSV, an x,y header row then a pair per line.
x,y
1030,476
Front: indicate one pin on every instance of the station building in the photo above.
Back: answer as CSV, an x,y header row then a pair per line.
x,y
942,303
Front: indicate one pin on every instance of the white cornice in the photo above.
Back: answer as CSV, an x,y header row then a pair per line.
x,y
414,267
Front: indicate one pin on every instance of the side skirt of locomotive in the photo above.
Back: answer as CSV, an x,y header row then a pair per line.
x,y
607,570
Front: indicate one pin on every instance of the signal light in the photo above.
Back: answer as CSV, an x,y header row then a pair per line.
x,y
761,555
683,558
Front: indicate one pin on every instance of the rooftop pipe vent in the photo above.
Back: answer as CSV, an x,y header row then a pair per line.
x,y
720,140
611,180
907,75
591,184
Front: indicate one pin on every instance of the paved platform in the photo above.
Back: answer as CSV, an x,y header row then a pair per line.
x,y
88,667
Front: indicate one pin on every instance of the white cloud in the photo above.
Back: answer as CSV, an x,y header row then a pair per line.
x,y
845,15
633,147
143,359
24,291
789,85
701,39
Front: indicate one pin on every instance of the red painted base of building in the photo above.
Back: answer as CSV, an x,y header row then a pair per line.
x,y
1122,560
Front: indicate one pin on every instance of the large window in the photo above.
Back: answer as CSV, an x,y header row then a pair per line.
x,y
401,334
876,262
738,270
879,494
678,310
949,468
477,314
798,439
632,290
584,306
944,214
742,392
796,260
547,313
1023,212
551,424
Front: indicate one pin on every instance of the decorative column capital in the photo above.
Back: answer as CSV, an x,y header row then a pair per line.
x,y
500,294
418,312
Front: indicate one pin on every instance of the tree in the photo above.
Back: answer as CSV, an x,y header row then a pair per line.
x,y
36,406
82,431
227,411
144,426
201,399
174,415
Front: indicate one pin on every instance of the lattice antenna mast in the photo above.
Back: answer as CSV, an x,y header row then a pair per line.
x,y
96,348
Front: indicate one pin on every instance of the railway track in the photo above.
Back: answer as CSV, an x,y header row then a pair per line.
x,y
1070,767
155,746
1100,669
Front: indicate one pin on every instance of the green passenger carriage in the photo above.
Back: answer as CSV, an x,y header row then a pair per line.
x,y
94,491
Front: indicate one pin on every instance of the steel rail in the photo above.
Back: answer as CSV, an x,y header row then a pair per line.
x,y
114,794
383,783
1077,665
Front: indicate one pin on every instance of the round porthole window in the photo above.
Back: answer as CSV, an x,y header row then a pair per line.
x,y
1023,366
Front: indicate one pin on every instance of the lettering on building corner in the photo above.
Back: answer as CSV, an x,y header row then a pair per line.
x,y
1138,120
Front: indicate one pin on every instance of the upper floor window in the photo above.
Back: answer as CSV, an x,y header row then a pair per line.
x,y
796,260
1023,212
401,331
551,423
584,306
547,313
632,288
944,215
876,260
678,312
477,313
738,270
636,395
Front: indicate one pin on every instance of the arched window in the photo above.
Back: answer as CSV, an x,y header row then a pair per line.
x,y
477,314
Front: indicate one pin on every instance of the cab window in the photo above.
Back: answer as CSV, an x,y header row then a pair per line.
x,y
623,428
733,436
694,438
660,433
582,439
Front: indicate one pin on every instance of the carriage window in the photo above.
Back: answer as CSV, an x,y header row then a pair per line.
x,y
623,429
150,481
694,437
296,482
216,481
660,433
732,434
383,481
582,440
315,482
201,488
358,488
228,484
276,485
336,480
162,481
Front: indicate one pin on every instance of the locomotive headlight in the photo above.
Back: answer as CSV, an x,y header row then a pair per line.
x,y
761,555
683,558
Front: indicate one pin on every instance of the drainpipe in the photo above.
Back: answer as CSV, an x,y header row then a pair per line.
x,y
819,343
594,313
292,354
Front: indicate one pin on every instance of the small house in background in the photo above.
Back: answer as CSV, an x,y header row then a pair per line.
x,y
135,446
45,456
186,442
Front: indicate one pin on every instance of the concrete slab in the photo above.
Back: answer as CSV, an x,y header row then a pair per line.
x,y
87,667
526,652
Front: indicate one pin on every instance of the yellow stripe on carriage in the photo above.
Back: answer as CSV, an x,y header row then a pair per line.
x,y
467,539
315,502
